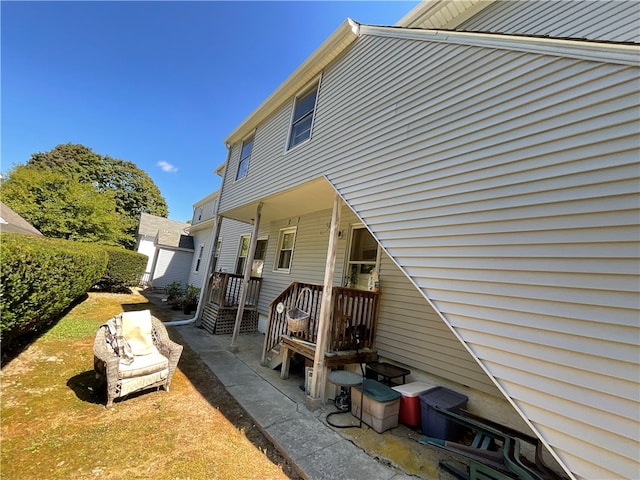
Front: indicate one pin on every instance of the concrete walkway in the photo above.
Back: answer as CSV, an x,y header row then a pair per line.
x,y
277,407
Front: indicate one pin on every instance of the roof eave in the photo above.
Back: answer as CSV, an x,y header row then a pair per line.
x,y
586,50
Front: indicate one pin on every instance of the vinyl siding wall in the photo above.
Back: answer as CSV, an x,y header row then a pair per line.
x,y
201,237
147,247
230,233
205,209
505,185
600,20
171,266
409,332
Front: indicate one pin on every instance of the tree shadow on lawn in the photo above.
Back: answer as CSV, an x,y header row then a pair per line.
x,y
18,344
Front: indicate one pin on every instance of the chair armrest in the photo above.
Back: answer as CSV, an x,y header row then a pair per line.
x,y
102,350
105,361
166,346
170,349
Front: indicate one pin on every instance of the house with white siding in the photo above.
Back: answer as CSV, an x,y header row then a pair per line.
x,y
224,256
201,230
481,157
168,250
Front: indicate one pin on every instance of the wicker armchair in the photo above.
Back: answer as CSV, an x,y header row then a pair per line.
x,y
151,370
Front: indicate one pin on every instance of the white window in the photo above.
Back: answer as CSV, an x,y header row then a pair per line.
x,y
363,257
199,259
258,256
243,251
284,253
245,158
302,119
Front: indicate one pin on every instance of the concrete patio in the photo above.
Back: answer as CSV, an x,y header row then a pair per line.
x,y
318,450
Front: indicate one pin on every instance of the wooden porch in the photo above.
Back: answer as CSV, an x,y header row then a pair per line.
x,y
354,319
221,307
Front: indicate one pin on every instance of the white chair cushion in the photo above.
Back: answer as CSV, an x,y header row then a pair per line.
x,y
136,329
144,365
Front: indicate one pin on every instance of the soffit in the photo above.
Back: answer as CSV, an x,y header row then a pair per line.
x,y
304,199
442,14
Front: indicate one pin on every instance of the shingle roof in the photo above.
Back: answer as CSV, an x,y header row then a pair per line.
x,y
10,221
150,225
174,240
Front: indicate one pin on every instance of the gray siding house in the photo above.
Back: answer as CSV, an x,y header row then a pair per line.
x,y
490,152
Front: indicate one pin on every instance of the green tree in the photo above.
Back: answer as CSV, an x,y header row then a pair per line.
x,y
61,206
132,189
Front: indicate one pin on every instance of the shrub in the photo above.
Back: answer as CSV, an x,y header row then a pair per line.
x,y
125,269
40,278
175,292
190,299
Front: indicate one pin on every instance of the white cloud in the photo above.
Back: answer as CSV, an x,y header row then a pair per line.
x,y
167,167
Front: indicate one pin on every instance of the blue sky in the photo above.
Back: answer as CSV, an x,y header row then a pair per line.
x,y
160,84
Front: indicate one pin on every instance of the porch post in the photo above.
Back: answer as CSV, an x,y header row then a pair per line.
x,y
247,276
210,270
319,377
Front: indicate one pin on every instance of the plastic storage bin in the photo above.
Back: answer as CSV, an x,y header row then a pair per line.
x,y
434,424
380,405
410,402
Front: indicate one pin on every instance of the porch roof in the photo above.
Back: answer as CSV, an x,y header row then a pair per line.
x,y
309,197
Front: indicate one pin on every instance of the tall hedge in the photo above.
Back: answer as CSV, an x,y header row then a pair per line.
x,y
125,268
40,278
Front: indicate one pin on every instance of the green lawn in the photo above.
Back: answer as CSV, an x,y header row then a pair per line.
x,y
55,426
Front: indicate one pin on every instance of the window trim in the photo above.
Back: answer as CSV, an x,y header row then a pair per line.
x,y
199,258
281,233
315,84
239,254
247,158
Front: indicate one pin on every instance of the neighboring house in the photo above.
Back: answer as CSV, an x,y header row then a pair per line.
x,y
230,252
10,221
201,230
174,253
168,248
486,158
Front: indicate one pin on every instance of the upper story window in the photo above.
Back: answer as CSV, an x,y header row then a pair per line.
x,y
284,254
199,259
245,158
303,117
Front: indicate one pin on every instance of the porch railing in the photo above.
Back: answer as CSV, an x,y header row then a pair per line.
x,y
354,317
227,289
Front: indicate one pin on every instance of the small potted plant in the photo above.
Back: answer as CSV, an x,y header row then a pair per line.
x,y
190,298
174,293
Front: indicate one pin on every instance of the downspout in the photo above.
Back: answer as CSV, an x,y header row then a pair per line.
x,y
214,245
